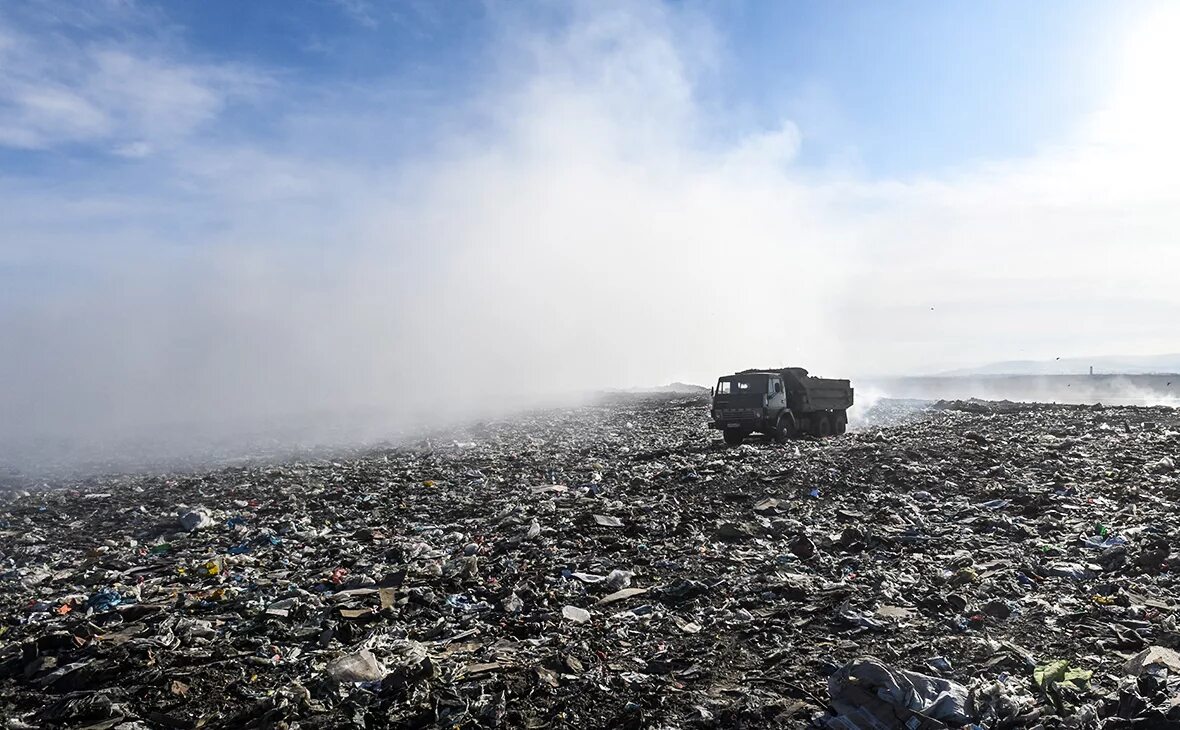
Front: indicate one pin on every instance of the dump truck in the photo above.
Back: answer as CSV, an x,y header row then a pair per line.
x,y
783,403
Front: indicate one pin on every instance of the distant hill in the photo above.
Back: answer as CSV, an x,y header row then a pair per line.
x,y
686,388
1103,364
676,388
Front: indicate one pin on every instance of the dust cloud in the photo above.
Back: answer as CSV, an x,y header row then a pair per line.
x,y
579,223
581,238
1113,390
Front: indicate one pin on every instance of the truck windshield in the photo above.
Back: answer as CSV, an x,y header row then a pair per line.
x,y
742,384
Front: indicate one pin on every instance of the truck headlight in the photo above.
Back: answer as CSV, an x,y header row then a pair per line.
x,y
716,414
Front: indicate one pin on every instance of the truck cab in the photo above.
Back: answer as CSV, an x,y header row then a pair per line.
x,y
742,400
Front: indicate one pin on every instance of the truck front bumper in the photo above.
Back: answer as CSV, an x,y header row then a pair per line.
x,y
748,421
737,425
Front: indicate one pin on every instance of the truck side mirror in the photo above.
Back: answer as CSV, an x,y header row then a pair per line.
x,y
711,393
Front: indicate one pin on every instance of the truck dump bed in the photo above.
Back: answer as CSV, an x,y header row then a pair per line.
x,y
806,393
824,394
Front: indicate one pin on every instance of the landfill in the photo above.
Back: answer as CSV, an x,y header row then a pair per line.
x,y
952,564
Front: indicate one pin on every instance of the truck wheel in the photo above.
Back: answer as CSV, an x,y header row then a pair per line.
x,y
734,437
823,426
839,422
784,430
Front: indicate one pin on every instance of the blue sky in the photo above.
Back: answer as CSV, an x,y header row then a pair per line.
x,y
913,86
894,89
247,208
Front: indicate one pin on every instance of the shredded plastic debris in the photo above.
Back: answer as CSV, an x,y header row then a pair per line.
x,y
615,565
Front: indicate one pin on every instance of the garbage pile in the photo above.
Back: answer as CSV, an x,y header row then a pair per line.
x,y
616,565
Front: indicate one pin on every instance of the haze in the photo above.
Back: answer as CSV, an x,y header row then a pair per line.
x,y
217,213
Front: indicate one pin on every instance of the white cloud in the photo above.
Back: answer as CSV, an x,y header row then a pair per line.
x,y
134,150
39,113
359,10
56,91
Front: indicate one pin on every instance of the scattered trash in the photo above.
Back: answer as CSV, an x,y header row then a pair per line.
x,y
1153,656
1060,672
104,600
1010,565
939,664
359,667
197,519
868,694
575,614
